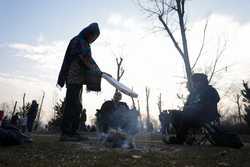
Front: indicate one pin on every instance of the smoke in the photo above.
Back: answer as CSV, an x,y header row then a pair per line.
x,y
117,128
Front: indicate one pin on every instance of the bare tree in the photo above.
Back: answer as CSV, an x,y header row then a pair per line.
x,y
159,103
246,99
237,99
172,16
139,112
167,11
24,95
14,109
212,69
120,70
39,113
148,122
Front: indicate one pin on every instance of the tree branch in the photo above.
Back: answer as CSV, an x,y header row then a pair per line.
x,y
171,36
146,9
219,55
202,45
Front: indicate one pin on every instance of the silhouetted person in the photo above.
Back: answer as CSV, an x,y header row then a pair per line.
x,y
200,108
1,117
83,118
78,69
23,123
115,114
14,120
109,116
31,115
5,121
164,118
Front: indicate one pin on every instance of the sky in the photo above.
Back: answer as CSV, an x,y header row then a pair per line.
x,y
34,36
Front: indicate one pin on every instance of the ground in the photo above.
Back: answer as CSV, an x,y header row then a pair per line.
x,y
46,150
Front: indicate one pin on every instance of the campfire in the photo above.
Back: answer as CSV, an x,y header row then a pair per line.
x,y
117,139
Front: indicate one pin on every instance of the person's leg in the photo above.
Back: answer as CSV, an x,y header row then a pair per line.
x,y
29,124
189,119
32,120
72,95
180,121
78,109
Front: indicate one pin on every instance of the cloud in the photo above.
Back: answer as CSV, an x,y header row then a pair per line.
x,y
149,60
43,54
115,19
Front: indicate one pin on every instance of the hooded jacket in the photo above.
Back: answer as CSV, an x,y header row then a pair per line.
x,y
79,48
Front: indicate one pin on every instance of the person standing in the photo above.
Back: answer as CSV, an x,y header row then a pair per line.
x,y
78,69
23,122
31,115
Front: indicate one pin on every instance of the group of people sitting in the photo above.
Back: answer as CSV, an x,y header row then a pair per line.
x,y
13,131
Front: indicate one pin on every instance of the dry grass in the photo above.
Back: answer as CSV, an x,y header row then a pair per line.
x,y
46,150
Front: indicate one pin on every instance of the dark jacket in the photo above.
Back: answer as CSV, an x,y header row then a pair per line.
x,y
91,71
203,102
33,111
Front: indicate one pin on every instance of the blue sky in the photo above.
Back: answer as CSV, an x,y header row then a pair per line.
x,y
34,36
59,19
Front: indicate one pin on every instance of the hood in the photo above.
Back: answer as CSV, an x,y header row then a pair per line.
x,y
93,29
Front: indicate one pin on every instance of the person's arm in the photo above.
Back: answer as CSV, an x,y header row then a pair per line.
x,y
193,103
86,58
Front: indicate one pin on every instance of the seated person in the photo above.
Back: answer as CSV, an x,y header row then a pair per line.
x,y
200,108
113,114
164,121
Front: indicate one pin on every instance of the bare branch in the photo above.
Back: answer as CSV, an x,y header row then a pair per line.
x,y
120,70
183,7
202,45
163,6
169,5
219,55
147,9
147,103
158,7
171,36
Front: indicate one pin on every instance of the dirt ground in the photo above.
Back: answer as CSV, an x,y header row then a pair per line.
x,y
46,150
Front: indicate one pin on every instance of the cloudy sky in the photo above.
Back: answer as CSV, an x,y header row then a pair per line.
x,y
34,36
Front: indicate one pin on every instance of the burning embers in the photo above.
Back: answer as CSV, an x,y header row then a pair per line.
x,y
117,139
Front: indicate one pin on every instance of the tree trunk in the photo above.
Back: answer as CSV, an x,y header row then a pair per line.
x,y
14,110
180,11
147,101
